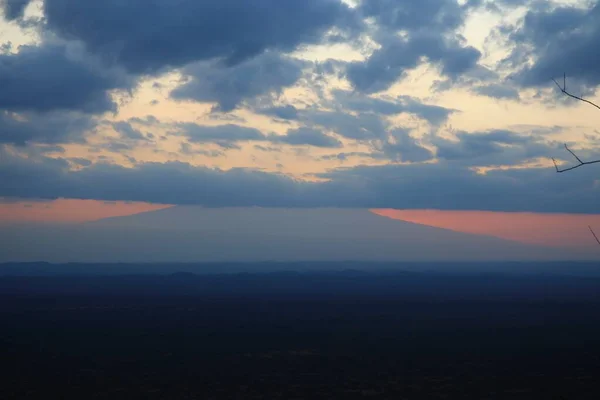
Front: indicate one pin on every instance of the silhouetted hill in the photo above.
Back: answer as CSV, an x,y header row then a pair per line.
x,y
194,234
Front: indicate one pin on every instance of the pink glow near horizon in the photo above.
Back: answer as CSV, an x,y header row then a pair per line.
x,y
70,210
535,228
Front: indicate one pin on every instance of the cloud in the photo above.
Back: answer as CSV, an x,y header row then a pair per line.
x,y
287,112
497,91
127,131
50,128
397,56
437,186
362,126
494,147
226,136
229,136
190,150
403,147
307,136
411,15
118,147
83,162
148,37
14,9
408,33
355,101
228,87
345,155
53,77
553,41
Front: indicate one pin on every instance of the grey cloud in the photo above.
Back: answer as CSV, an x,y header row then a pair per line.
x,y
50,128
355,101
127,131
229,136
558,40
50,149
412,15
436,115
193,30
14,9
46,77
494,147
397,56
287,112
429,31
363,126
268,149
117,146
83,162
497,91
189,150
225,136
307,136
403,147
496,5
228,87
441,186
346,155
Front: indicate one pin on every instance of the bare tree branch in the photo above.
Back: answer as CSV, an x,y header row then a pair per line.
x,y
581,163
593,233
563,89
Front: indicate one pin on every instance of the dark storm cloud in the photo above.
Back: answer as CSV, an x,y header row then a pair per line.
x,y
51,128
13,9
149,36
559,40
228,87
44,78
441,186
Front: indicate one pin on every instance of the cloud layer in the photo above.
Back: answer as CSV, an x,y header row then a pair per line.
x,y
372,103
438,186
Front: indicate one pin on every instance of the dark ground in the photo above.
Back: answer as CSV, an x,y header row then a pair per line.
x,y
344,335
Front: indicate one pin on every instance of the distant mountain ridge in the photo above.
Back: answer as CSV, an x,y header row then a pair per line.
x,y
197,234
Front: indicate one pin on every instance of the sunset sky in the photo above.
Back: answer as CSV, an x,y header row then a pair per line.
x,y
442,110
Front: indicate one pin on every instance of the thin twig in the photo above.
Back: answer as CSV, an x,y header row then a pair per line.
x,y
563,89
581,163
593,233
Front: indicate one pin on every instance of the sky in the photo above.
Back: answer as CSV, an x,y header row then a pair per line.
x,y
441,112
